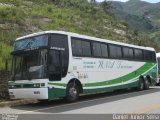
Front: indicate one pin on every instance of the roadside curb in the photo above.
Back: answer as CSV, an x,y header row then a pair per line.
x,y
16,102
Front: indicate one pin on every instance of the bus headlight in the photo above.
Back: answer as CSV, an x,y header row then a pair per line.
x,y
42,84
37,85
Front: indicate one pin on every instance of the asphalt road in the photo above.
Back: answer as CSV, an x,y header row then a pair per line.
x,y
119,102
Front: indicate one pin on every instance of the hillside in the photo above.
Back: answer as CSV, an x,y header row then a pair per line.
x,y
130,13
22,17
139,15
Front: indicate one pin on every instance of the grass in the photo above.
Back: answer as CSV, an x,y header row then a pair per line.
x,y
11,14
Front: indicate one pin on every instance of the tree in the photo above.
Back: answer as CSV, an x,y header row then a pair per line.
x,y
106,5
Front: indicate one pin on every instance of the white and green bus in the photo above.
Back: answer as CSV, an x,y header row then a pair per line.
x,y
56,64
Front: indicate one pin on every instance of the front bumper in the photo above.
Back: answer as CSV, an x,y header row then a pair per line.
x,y
29,93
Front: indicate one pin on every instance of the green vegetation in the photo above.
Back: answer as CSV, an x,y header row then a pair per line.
x,y
5,53
22,17
141,16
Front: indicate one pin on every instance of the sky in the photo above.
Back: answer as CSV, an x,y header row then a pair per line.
x,y
151,1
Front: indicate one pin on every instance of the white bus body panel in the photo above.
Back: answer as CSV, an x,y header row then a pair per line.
x,y
26,93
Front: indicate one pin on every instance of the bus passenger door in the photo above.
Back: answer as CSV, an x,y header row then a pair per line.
x,y
58,56
55,65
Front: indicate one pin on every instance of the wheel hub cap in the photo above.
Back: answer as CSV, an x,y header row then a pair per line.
x,y
72,92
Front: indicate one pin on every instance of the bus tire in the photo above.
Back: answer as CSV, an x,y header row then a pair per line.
x,y
72,92
141,84
146,83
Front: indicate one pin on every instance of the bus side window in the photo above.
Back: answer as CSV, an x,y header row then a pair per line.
x,y
86,48
131,53
138,54
153,56
96,49
81,47
76,47
115,51
119,52
147,55
128,53
104,49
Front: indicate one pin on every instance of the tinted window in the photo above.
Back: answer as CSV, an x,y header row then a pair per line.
x,y
119,52
76,47
115,51
128,53
60,42
104,49
86,48
96,49
125,52
138,54
154,56
81,47
131,53
147,55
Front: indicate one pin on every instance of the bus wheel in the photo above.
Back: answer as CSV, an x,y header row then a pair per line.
x,y
141,84
146,83
72,92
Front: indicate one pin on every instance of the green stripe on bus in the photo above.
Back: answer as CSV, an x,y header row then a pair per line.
x,y
132,75
125,78
111,88
54,93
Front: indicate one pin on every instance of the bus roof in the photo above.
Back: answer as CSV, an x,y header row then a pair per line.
x,y
85,37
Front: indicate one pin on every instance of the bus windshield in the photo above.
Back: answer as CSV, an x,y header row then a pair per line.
x,y
32,42
30,65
